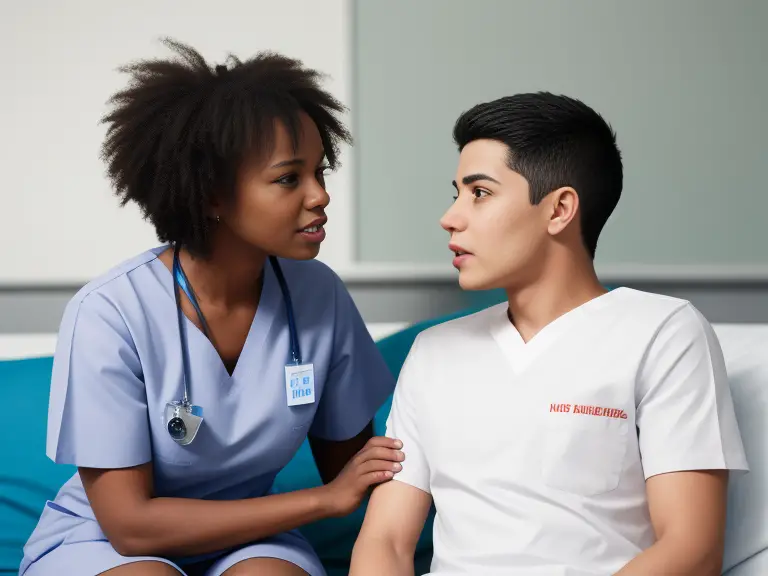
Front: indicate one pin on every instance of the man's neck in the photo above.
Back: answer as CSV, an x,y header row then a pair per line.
x,y
563,284
229,276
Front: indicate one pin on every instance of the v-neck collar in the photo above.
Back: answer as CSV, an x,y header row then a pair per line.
x,y
521,354
257,333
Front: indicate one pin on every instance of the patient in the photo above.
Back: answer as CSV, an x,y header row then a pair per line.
x,y
570,431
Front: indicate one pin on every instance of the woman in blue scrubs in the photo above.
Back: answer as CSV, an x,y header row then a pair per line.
x,y
188,376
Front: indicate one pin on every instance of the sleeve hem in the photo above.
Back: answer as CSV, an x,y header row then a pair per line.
x,y
693,466
423,486
109,463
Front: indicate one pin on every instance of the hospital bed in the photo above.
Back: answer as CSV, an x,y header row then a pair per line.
x,y
27,478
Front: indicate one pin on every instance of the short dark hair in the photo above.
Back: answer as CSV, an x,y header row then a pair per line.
x,y
180,130
554,141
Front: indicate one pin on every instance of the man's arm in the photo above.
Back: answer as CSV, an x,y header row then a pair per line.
x,y
690,442
688,515
393,523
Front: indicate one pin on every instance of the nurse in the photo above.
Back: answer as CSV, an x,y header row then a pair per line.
x,y
186,377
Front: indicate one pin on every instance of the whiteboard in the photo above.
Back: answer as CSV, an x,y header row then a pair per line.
x,y
60,220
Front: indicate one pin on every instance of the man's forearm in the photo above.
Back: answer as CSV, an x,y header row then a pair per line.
x,y
669,557
376,557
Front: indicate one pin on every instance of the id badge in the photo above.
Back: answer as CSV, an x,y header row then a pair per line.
x,y
300,384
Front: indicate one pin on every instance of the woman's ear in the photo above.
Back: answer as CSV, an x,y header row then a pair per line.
x,y
565,205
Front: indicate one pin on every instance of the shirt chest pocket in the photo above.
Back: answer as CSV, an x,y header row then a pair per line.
x,y
583,454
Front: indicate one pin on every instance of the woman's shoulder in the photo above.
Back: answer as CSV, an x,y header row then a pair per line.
x,y
127,281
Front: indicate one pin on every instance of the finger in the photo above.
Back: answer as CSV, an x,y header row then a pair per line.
x,y
376,477
378,466
379,441
379,453
384,442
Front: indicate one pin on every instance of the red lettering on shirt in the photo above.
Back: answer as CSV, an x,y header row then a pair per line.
x,y
559,407
589,410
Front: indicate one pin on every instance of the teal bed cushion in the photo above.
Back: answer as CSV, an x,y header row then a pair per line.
x,y
28,478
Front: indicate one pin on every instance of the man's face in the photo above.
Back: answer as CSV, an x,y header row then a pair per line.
x,y
493,221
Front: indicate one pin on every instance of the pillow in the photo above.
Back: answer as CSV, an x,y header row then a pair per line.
x,y
746,547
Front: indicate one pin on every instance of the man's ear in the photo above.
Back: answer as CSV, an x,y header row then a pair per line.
x,y
564,203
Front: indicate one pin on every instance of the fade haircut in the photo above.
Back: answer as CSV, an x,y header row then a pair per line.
x,y
179,132
554,141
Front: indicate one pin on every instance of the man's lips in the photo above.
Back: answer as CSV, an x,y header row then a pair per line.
x,y
461,255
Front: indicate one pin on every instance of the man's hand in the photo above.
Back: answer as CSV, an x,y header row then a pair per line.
x,y
391,529
688,515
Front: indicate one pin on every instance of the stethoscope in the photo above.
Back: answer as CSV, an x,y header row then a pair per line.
x,y
182,418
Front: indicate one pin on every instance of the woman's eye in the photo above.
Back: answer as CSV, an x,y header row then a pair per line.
x,y
479,192
288,180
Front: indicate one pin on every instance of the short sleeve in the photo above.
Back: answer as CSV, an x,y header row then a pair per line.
x,y
97,415
402,423
685,414
358,381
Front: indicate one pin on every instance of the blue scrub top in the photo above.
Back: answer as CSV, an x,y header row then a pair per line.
x,y
118,363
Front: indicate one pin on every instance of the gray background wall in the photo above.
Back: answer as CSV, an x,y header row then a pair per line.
x,y
683,82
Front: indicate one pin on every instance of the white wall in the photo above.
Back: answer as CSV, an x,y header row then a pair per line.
x,y
60,222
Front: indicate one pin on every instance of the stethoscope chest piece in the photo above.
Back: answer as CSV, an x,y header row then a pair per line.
x,y
182,420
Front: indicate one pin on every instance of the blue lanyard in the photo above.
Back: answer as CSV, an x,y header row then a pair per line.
x,y
181,279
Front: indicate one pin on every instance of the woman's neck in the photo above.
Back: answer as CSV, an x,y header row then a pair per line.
x,y
229,276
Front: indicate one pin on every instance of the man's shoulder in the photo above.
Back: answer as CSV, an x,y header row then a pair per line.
x,y
457,331
655,324
655,311
632,298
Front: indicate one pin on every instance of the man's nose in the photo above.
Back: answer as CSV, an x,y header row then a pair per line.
x,y
453,220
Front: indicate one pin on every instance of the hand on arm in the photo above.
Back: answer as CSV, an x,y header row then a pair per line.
x,y
688,515
331,456
137,523
393,523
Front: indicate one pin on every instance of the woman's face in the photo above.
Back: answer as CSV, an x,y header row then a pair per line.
x,y
280,198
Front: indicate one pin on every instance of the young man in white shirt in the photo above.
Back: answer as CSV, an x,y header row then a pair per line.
x,y
569,431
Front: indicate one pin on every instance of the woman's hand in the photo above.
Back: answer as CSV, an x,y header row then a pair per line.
x,y
375,463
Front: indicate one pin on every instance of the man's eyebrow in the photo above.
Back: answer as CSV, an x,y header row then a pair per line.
x,y
471,178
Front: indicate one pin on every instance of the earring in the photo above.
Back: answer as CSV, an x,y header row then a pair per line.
x,y
218,219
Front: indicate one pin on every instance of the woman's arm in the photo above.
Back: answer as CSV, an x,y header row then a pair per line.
x,y
138,524
331,456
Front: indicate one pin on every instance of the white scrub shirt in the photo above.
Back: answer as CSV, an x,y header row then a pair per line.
x,y
536,454
118,363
